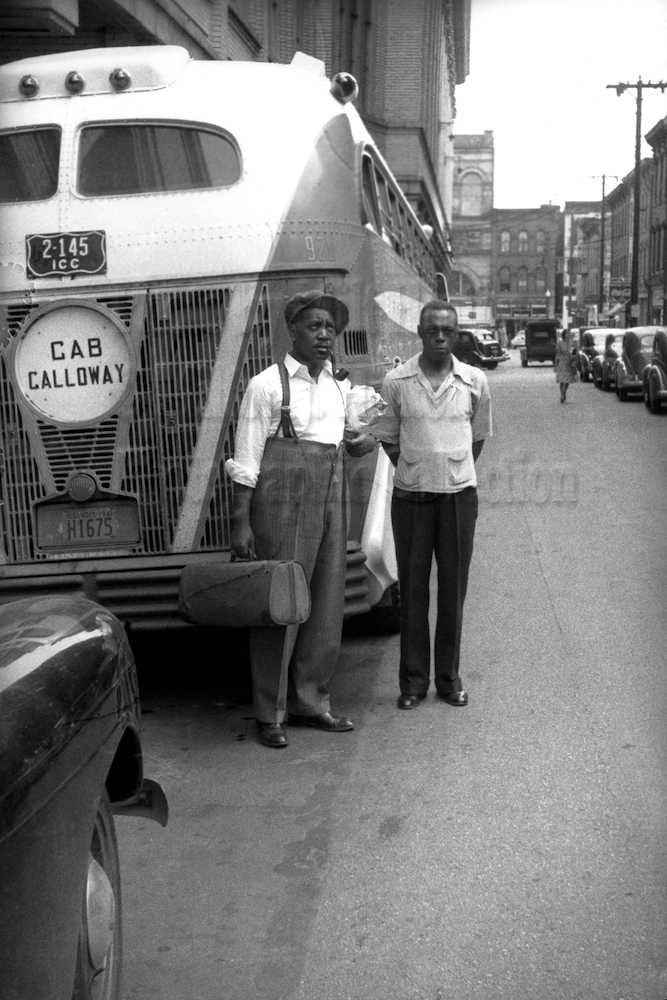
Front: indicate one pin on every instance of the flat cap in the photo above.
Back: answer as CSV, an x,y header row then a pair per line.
x,y
317,299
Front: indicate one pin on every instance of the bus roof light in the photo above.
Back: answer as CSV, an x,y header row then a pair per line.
x,y
75,83
120,79
28,86
344,87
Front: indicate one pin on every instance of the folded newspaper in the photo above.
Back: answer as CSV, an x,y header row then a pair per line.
x,y
363,407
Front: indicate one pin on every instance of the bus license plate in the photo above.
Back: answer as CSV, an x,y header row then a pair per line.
x,y
87,526
51,254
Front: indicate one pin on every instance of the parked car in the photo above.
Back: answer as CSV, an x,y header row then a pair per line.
x,y
602,370
479,348
519,340
70,757
654,376
635,356
591,343
541,337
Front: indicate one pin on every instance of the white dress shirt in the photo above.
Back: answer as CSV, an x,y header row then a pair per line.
x,y
317,409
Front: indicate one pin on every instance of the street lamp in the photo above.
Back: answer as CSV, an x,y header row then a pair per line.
x,y
547,296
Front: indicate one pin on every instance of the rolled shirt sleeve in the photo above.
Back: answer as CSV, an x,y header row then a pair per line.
x,y
252,431
481,422
388,427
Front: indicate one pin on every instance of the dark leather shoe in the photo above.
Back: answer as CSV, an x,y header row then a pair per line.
x,y
410,700
272,734
456,698
328,722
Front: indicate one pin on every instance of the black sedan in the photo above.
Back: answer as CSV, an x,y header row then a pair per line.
x,y
70,758
479,348
654,376
591,345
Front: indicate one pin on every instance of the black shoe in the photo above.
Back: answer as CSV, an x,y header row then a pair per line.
x,y
410,700
456,698
328,722
272,734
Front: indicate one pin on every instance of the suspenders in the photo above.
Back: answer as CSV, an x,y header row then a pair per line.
x,y
285,424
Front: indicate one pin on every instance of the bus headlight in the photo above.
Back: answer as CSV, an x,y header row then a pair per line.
x,y
81,486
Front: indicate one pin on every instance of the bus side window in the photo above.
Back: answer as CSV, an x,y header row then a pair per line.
x,y
370,197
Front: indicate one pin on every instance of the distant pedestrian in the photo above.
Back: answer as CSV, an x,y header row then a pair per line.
x,y
433,430
565,364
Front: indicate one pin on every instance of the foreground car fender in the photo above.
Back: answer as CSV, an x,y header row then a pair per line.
x,y
69,755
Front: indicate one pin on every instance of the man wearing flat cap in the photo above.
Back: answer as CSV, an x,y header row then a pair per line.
x,y
289,503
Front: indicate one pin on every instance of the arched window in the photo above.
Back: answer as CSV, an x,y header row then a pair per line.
x,y
471,194
460,286
522,279
504,279
523,241
539,241
505,241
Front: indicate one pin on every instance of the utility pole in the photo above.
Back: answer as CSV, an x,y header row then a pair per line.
x,y
639,86
601,298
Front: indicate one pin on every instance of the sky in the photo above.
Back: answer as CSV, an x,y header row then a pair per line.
x,y
538,76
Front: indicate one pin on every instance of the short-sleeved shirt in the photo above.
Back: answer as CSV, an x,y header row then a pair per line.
x,y
435,429
317,409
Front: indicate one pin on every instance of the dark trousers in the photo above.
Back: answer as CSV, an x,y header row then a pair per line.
x,y
298,512
426,524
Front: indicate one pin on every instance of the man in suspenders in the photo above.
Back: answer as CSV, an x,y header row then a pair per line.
x,y
289,503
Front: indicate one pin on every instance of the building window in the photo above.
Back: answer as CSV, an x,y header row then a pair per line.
x,y
460,286
523,241
471,195
539,241
504,241
522,279
540,280
504,279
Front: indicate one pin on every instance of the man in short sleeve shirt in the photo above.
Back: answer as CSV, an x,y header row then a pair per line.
x,y
433,430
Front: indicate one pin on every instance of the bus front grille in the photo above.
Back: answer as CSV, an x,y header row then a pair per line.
x,y
147,450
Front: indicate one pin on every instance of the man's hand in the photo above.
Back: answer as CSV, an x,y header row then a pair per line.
x,y
358,444
243,541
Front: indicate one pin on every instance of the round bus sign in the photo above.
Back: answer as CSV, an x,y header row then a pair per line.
x,y
74,363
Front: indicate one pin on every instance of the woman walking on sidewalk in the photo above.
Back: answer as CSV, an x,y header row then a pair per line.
x,y
565,364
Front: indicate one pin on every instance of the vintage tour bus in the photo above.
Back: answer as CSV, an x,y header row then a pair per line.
x,y
156,213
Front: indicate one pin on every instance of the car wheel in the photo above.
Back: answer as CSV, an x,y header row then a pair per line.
x,y
384,618
653,388
524,364
99,955
622,393
646,394
492,365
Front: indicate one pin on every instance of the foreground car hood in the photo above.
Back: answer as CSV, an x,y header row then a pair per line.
x,y
59,664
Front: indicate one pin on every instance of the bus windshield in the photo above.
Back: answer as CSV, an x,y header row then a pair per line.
x,y
29,164
143,158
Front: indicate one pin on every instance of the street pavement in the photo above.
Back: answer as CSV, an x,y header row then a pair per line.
x,y
515,849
